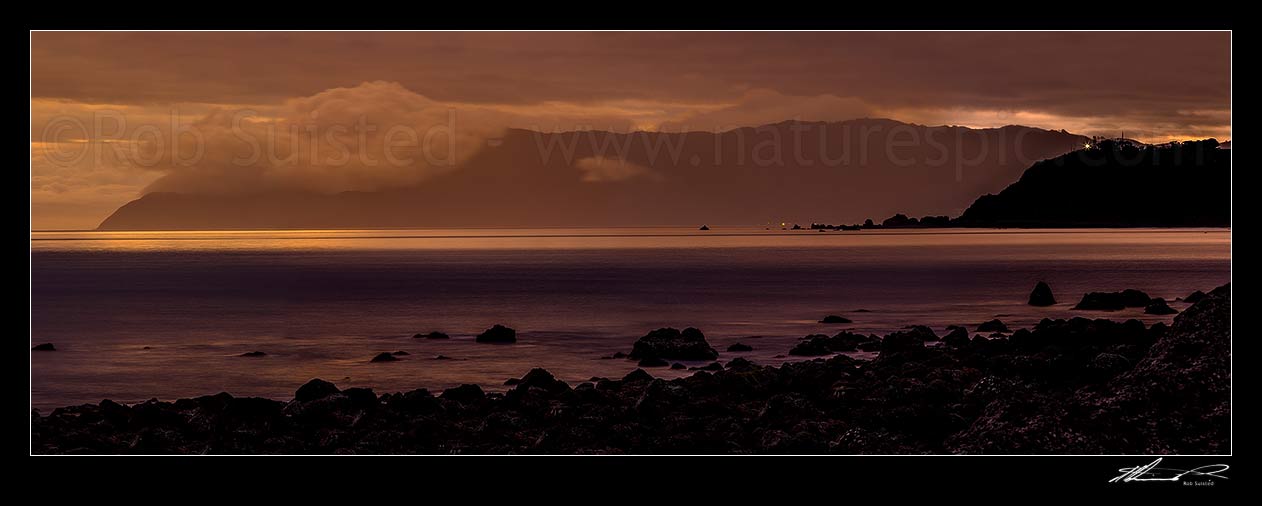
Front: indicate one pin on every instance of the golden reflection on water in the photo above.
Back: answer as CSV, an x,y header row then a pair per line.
x,y
1215,240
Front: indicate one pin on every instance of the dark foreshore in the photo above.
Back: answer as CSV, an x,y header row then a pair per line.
x,y
1075,386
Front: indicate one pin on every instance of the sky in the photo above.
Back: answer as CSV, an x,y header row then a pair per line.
x,y
167,99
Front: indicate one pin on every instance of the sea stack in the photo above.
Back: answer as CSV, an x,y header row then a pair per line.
x,y
1042,295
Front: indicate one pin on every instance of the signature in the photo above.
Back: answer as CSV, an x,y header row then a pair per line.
x,y
1151,472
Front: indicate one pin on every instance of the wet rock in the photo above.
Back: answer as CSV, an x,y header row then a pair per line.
x,y
253,354
1158,306
669,343
1135,298
1101,301
464,394
44,347
619,355
652,362
361,398
738,347
903,341
832,318
315,389
384,357
443,357
1194,297
432,335
498,334
995,325
512,381
637,375
400,353
1042,295
678,366
957,337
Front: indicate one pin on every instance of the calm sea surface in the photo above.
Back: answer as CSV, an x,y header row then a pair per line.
x,y
138,315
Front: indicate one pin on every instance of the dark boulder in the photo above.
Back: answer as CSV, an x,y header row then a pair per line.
x,y
653,362
1042,295
315,389
44,347
464,393
432,335
400,353
1158,306
1101,301
815,345
1135,298
443,357
903,341
669,343
1194,297
253,354
678,366
384,357
921,332
361,398
995,325
497,334
637,375
832,318
740,347
542,379
957,337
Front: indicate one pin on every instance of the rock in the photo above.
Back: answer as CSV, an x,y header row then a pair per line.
x,y
921,332
497,334
44,347
1042,295
712,366
315,389
443,357
464,394
653,362
619,355
668,343
1110,363
815,346
1194,297
384,357
253,354
993,326
541,378
432,335
1158,306
637,375
512,381
400,353
678,366
1135,298
903,341
361,398
704,227
957,337
740,347
832,318
739,363
1101,301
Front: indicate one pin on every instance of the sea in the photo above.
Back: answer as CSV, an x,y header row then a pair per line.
x,y
168,314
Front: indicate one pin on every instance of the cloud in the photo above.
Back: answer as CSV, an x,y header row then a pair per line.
x,y
600,169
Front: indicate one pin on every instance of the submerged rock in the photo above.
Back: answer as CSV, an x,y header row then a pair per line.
x,y
253,354
44,347
497,334
678,366
384,357
832,318
1041,295
736,347
653,362
669,343
432,335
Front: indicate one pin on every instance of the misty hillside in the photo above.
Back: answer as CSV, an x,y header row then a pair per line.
x,y
1111,184
790,171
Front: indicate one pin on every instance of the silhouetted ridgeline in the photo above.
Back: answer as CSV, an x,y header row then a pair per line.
x,y
1116,185
782,172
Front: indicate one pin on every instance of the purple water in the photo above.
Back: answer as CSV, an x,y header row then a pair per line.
x,y
165,314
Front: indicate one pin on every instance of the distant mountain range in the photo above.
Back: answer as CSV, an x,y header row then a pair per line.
x,y
786,172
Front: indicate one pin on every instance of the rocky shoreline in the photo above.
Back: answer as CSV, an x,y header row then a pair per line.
x,y
1075,386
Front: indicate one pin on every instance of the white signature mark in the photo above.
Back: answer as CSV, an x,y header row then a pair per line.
x,y
1151,472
